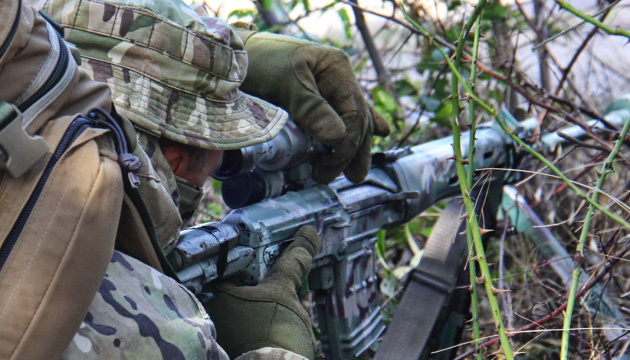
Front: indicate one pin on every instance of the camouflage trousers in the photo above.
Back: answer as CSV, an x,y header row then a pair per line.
x,y
140,313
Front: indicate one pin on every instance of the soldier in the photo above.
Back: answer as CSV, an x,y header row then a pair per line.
x,y
175,75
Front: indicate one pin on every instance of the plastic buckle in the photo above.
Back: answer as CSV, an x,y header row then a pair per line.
x,y
18,150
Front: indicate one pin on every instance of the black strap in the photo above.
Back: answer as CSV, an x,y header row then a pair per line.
x,y
427,289
143,211
129,165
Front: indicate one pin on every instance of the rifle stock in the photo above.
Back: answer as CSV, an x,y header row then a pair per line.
x,y
401,184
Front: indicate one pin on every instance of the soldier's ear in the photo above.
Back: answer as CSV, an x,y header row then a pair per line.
x,y
177,157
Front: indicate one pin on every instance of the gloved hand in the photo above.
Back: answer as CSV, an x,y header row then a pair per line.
x,y
268,314
316,85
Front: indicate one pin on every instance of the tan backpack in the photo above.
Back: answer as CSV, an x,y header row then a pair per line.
x,y
61,188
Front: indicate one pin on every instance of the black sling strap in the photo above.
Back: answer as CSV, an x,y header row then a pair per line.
x,y
427,289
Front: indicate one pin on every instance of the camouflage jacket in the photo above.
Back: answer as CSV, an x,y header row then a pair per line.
x,y
139,313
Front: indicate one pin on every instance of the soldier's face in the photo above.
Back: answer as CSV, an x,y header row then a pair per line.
x,y
193,164
206,163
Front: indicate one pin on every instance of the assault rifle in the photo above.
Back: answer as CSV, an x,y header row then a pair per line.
x,y
277,197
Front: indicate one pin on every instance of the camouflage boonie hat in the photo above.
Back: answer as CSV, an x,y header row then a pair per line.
x,y
171,72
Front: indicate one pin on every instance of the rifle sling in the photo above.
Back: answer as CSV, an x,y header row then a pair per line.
x,y
427,289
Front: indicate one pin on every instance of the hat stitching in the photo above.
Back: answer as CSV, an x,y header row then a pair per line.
x,y
177,58
153,79
115,17
151,33
76,14
217,140
260,132
186,49
188,32
133,94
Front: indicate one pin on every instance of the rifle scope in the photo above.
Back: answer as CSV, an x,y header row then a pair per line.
x,y
261,171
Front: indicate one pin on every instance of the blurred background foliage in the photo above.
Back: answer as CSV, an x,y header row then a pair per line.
x,y
536,60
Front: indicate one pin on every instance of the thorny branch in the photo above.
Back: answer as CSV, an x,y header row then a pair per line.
x,y
607,268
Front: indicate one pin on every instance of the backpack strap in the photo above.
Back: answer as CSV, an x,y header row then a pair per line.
x,y
137,235
18,149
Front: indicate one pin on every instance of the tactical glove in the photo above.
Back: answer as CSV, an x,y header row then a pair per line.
x,y
268,314
316,85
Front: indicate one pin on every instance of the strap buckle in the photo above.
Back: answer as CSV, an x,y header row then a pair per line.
x,y
18,150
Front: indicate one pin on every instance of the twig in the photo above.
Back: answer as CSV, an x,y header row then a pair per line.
x,y
588,286
506,296
584,234
616,31
520,89
469,178
567,70
472,224
543,53
575,27
422,109
381,72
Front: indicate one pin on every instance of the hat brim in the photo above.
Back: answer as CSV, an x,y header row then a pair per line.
x,y
185,117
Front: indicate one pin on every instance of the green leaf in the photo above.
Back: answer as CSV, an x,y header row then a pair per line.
x,y
442,89
358,69
380,249
428,65
216,186
452,34
307,5
417,252
496,95
329,6
385,104
214,209
384,99
345,19
389,285
266,4
426,231
454,4
401,271
437,55
242,13
405,87
430,103
443,116
494,11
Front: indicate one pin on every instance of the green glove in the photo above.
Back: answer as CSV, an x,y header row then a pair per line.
x,y
268,314
316,85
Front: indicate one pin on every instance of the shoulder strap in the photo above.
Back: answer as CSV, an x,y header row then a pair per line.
x,y
136,222
427,290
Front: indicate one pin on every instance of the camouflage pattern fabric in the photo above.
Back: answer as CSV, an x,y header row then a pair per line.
x,y
175,74
158,189
140,313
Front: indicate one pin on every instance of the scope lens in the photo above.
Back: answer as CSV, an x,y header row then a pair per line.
x,y
243,190
231,166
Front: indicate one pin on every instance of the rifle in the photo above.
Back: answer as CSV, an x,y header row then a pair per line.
x,y
401,184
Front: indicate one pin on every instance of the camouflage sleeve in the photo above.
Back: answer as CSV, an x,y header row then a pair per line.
x,y
269,353
141,313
